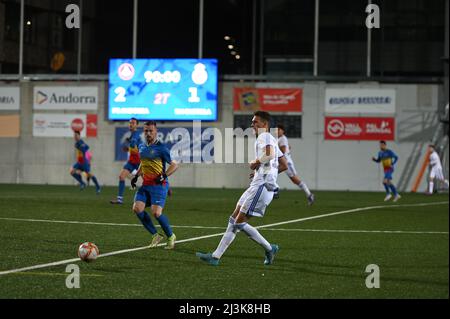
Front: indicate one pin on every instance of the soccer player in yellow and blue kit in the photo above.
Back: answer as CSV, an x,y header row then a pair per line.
x,y
82,164
388,159
154,156
132,164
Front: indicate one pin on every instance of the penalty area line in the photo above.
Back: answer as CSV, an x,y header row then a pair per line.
x,y
113,253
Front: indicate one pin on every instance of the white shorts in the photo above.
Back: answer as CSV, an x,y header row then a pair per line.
x,y
255,200
291,172
436,172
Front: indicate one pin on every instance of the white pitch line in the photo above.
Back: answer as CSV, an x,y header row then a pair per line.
x,y
67,261
359,231
99,223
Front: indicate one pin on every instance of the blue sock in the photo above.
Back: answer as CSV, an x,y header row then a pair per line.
x,y
78,178
393,189
164,222
147,222
386,187
121,188
94,179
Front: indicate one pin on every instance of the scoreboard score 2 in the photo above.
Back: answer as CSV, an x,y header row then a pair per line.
x,y
163,89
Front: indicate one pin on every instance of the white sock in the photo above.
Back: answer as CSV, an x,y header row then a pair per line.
x,y
430,187
254,234
226,240
303,186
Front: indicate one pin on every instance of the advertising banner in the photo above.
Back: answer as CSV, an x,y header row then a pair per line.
x,y
9,98
359,128
9,125
353,101
270,100
65,98
63,125
186,144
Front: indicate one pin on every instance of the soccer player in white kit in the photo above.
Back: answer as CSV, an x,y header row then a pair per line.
x,y
283,144
258,196
436,172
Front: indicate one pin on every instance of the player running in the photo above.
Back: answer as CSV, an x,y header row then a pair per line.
x,y
436,172
133,161
257,197
154,157
283,144
388,158
82,164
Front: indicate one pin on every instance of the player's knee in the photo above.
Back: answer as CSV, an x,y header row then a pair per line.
x,y
137,209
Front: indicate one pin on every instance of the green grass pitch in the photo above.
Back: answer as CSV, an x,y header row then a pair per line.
x,y
319,258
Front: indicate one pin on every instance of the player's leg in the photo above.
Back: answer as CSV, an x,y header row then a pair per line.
x,y
75,172
431,181
139,209
96,183
158,196
257,209
229,235
386,184
392,188
126,170
292,174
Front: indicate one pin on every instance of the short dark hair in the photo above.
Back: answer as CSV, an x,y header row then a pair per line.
x,y
281,127
77,132
263,115
383,142
134,119
149,123
432,146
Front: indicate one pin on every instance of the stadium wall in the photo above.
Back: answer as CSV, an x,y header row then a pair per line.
x,y
322,164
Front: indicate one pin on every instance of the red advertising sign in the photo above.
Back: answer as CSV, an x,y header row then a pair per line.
x,y
360,128
91,125
271,100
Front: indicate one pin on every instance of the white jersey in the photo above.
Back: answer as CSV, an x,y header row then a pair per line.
x,y
435,161
283,141
267,173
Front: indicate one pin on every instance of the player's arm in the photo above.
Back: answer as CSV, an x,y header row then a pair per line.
x,y
267,157
282,164
283,148
394,157
377,159
136,174
173,166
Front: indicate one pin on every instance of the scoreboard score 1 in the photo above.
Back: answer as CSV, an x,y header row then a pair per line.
x,y
163,89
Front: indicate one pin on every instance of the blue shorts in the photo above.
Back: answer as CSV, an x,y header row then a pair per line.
x,y
130,167
152,195
388,175
82,167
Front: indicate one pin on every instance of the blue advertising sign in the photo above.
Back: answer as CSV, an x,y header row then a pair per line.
x,y
186,144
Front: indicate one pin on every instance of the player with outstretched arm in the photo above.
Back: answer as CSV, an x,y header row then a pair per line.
x,y
258,196
154,156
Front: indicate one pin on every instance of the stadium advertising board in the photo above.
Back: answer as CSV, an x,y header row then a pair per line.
x,y
9,98
63,125
368,101
270,100
360,128
186,144
65,98
9,125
